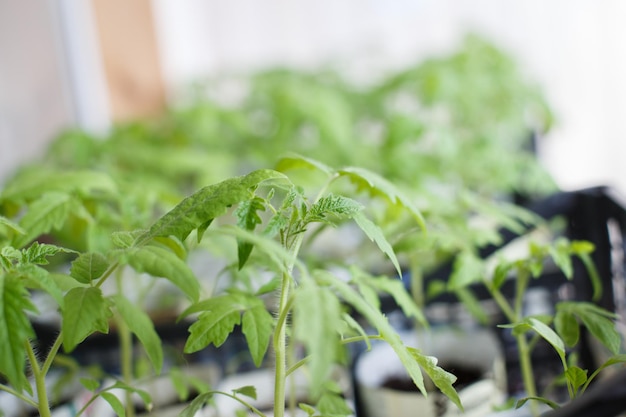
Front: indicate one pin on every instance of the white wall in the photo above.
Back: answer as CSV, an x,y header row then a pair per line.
x,y
574,48
33,89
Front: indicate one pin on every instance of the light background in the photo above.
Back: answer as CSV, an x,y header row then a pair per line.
x,y
575,49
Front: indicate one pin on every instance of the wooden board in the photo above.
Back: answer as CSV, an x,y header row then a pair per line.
x,y
130,56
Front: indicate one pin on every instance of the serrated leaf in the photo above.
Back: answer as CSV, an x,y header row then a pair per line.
x,y
335,205
86,311
38,253
379,185
441,378
88,267
49,212
257,324
315,324
208,203
140,324
15,330
567,327
213,327
160,262
375,234
115,403
248,391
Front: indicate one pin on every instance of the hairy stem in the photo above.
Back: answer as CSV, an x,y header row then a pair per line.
x,y
280,351
43,404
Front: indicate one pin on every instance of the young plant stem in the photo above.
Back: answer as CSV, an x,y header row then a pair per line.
x,y
280,347
280,333
126,351
43,404
514,315
18,395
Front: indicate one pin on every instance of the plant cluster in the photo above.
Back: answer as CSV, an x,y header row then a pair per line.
x,y
444,144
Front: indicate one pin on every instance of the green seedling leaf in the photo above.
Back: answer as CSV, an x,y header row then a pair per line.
x,y
248,391
202,207
334,205
441,378
49,212
548,334
125,240
248,219
405,301
375,234
468,269
567,327
14,228
90,384
257,324
144,395
115,403
38,253
34,184
597,320
174,245
576,376
213,326
560,254
333,404
310,411
179,383
381,186
500,275
88,267
520,403
160,262
140,324
594,277
86,311
38,278
353,324
315,324
15,330
294,161
196,404
378,320
472,304
580,247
